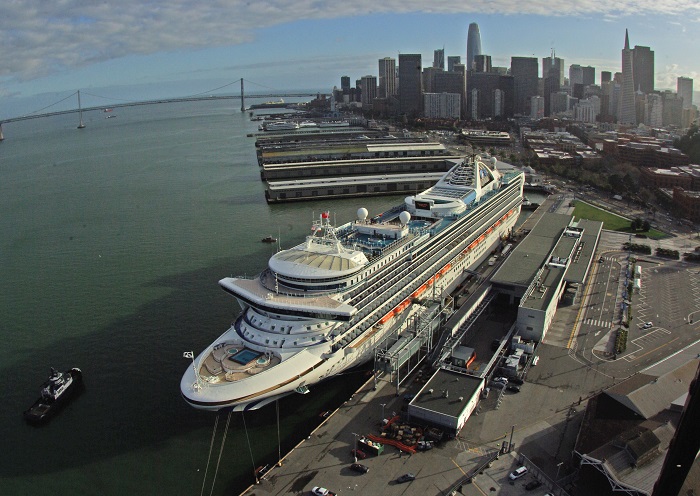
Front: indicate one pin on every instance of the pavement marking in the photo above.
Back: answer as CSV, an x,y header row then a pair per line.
x,y
460,468
633,357
477,486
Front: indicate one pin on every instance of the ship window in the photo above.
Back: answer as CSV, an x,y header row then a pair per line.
x,y
267,341
308,328
273,328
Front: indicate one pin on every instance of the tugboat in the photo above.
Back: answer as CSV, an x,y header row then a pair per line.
x,y
269,239
55,393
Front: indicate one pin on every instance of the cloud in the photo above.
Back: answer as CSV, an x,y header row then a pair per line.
x,y
41,38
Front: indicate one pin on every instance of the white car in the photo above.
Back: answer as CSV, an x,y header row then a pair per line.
x,y
320,491
647,325
517,473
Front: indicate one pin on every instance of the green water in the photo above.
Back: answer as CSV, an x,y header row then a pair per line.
x,y
112,240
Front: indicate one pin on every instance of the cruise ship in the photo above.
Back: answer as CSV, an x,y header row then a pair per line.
x,y
324,305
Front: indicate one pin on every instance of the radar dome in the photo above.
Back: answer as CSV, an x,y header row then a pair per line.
x,y
362,214
477,158
493,161
404,217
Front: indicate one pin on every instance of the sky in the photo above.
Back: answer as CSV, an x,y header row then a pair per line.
x,y
142,49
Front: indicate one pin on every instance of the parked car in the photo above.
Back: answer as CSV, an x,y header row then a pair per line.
x,y
406,478
424,445
359,454
321,491
533,484
518,473
647,325
513,388
358,467
504,380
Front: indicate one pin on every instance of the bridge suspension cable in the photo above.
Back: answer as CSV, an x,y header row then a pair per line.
x,y
55,103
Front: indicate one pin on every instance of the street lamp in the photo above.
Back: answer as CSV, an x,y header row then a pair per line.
x,y
354,452
558,467
382,405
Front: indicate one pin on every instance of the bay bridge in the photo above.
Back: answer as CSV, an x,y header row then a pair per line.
x,y
193,98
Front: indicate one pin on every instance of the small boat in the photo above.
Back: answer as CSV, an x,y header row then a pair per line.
x,y
107,110
269,239
55,393
111,116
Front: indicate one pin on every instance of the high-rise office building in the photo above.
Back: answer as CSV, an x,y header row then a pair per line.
x,y
643,69
429,78
536,107
627,113
410,87
452,60
473,44
524,71
653,111
684,88
605,77
482,63
442,105
553,76
552,64
575,74
672,108
387,77
588,75
490,95
439,59
369,90
345,84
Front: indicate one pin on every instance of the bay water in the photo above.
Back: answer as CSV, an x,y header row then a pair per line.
x,y
112,240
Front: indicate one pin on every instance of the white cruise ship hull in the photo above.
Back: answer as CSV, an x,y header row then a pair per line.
x,y
265,355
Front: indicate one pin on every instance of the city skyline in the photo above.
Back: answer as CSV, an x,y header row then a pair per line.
x,y
284,50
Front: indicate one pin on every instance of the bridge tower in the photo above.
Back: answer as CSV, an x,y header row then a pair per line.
x,y
1,136
242,97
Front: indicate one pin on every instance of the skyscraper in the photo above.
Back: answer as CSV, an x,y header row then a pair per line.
x,y
473,44
369,90
553,63
482,63
524,72
345,84
643,69
684,88
410,88
387,77
439,59
627,113
452,60
553,76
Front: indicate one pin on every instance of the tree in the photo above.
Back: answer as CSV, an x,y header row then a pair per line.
x,y
690,144
646,226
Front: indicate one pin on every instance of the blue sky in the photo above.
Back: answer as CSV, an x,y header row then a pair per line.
x,y
135,50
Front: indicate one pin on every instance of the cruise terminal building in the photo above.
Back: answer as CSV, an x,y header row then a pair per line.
x,y
547,268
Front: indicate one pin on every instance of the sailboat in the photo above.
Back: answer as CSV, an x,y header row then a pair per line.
x,y
80,109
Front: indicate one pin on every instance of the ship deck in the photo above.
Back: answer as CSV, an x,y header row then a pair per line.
x,y
229,362
263,285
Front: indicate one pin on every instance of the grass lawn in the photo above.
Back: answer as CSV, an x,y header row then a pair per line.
x,y
611,221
